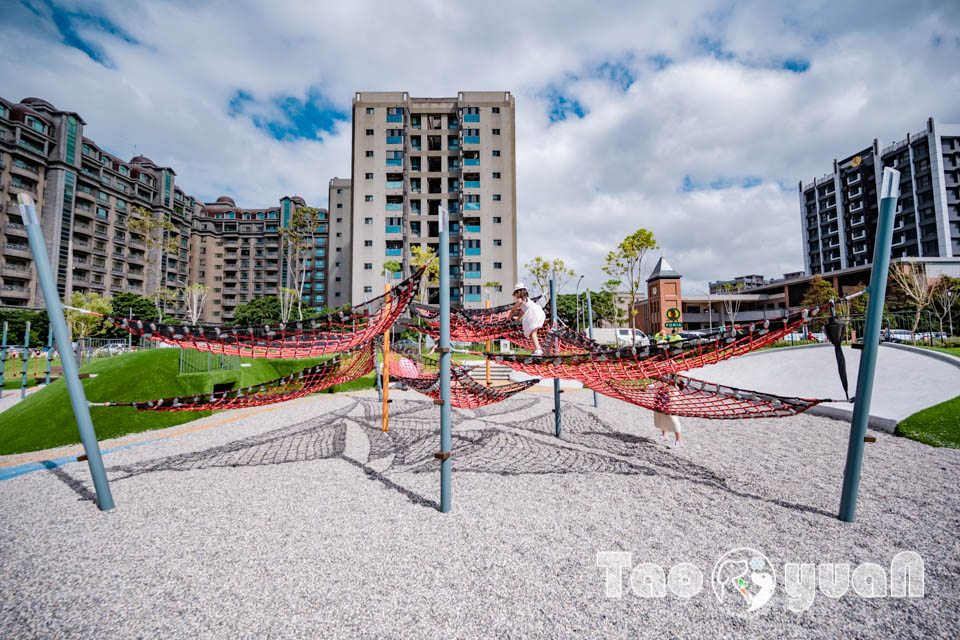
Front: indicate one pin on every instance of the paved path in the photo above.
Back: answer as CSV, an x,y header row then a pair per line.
x,y
907,380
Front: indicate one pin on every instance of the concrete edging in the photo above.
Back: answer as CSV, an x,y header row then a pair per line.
x,y
936,355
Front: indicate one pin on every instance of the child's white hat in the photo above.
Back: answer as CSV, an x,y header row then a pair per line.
x,y
519,286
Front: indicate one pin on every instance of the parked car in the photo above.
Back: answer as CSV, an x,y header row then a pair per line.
x,y
620,337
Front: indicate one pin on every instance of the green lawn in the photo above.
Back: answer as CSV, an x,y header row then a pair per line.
x,y
45,419
938,425
954,351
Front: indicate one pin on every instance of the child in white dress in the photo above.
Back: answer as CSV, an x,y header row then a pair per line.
x,y
533,315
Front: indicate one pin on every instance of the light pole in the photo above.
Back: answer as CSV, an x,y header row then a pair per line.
x,y
578,302
709,305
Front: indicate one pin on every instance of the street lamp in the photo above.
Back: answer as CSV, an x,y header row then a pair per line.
x,y
709,305
578,302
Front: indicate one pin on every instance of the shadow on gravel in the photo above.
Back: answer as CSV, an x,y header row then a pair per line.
x,y
502,439
75,485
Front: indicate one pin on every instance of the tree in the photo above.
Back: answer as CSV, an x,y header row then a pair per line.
x,y
258,311
819,292
17,319
617,314
490,287
541,271
142,307
419,257
390,267
288,297
626,263
194,296
911,280
945,292
299,238
731,300
156,230
84,325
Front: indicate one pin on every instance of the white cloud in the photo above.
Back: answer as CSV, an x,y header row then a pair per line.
x,y
724,108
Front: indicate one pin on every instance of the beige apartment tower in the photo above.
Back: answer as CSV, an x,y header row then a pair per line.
x,y
412,156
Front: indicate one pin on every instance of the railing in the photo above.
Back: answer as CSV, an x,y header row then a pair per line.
x,y
16,267
12,246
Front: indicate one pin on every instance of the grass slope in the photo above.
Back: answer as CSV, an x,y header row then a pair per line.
x,y
938,425
45,419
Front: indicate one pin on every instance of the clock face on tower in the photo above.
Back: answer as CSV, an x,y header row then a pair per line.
x,y
856,161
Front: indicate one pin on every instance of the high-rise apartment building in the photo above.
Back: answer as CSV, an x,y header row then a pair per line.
x,y
839,211
86,198
340,205
412,156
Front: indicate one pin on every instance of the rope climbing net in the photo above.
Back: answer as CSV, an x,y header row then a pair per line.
x,y
335,333
337,370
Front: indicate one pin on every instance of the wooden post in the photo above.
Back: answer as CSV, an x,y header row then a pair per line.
x,y
386,363
489,343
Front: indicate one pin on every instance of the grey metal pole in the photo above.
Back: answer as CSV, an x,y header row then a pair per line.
x,y
49,351
446,439
26,361
556,381
81,410
889,192
590,325
3,358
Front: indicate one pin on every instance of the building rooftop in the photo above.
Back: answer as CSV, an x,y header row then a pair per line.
x,y
663,270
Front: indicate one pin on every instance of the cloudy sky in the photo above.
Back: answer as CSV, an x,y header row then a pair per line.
x,y
692,119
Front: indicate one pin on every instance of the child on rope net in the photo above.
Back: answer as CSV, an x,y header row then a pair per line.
x,y
533,315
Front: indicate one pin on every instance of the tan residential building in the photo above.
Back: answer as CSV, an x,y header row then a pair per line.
x,y
339,264
412,156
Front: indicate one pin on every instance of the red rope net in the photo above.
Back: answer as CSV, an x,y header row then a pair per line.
x,y
337,370
304,339
683,396
420,373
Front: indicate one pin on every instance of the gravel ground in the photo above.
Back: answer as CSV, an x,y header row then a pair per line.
x,y
308,521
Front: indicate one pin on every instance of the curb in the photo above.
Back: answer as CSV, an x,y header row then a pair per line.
x,y
936,355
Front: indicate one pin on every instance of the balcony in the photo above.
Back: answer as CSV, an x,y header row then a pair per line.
x,y
471,117
394,139
472,228
100,234
471,162
18,248
17,269
394,229
11,291
471,184
394,162
16,229
135,259
396,117
471,206
102,268
393,252
472,275
80,211
472,252
473,297
857,220
394,184
394,206
100,250
471,139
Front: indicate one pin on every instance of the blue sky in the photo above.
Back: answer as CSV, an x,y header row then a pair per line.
x,y
695,120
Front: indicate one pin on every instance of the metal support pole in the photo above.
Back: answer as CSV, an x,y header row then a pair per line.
x,y
26,361
81,410
3,358
385,422
590,326
49,352
489,344
446,439
889,191
556,381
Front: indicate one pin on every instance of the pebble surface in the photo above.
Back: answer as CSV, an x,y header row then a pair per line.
x,y
308,521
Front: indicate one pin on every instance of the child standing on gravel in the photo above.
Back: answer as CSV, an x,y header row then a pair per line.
x,y
533,315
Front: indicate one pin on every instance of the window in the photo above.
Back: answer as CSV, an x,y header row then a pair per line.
x,y
368,176
497,242
369,111
368,198
339,206
339,235
339,190
496,110
368,243
369,154
339,219
496,175
498,265
496,219
368,221
496,197
496,153
368,265
496,132
339,249
367,289
369,132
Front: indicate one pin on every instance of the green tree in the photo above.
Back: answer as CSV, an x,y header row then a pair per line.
x,y
604,307
84,325
299,239
121,304
16,320
419,257
391,267
626,263
541,270
819,292
258,311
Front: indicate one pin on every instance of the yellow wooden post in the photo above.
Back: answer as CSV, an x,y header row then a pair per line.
x,y
386,363
489,344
